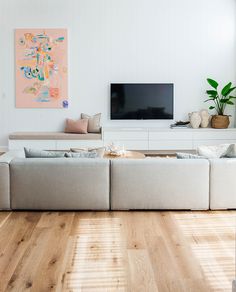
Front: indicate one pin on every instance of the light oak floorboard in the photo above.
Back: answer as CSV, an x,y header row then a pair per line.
x,y
117,251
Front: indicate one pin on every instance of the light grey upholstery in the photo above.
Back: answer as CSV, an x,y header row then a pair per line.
x,y
223,184
5,159
159,184
60,184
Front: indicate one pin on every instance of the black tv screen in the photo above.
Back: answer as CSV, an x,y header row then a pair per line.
x,y
142,101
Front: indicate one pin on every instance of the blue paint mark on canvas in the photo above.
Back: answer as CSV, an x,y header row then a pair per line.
x,y
65,104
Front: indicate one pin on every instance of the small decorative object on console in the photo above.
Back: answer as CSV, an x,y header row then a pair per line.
x,y
179,124
195,119
205,118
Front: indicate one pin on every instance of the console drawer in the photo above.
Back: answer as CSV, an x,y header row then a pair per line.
x,y
171,145
125,135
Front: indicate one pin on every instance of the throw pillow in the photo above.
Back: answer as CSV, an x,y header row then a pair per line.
x,y
34,153
100,151
93,122
217,151
82,154
78,127
231,151
189,156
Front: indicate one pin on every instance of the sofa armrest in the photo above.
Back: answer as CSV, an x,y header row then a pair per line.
x,y
4,186
5,160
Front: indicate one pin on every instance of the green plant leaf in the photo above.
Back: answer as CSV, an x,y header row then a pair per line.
x,y
212,92
230,90
213,83
224,100
209,99
230,102
232,97
211,107
226,89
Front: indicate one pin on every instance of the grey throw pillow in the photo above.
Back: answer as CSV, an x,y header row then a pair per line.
x,y
82,154
93,122
231,151
189,156
100,150
34,153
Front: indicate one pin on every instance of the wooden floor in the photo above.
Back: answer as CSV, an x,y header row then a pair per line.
x,y
117,251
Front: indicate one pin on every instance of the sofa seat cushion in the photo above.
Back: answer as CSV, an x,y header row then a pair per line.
x,y
53,136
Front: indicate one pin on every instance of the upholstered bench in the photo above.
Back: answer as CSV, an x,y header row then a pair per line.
x,y
53,140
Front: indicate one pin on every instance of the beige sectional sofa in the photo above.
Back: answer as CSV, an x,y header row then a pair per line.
x,y
119,184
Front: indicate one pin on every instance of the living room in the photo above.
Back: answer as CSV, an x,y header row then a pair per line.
x,y
135,101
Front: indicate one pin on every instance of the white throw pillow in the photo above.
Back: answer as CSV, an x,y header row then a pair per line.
x,y
216,151
231,151
94,125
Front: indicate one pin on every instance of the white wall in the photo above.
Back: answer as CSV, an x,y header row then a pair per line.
x,y
181,41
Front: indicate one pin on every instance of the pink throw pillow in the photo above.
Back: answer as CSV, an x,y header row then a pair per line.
x,y
78,127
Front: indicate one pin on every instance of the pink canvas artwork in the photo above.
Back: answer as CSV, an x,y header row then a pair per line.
x,y
41,68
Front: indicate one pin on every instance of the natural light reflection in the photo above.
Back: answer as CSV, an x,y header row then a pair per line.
x,y
212,239
97,262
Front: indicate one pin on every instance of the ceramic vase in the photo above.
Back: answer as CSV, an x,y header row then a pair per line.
x,y
205,118
195,119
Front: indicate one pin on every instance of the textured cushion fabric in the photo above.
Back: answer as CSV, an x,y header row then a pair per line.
x,y
159,184
223,184
216,151
4,186
79,126
231,151
53,136
60,184
5,159
81,154
93,122
180,155
34,153
100,150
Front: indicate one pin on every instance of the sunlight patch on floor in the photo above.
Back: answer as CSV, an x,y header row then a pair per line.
x,y
212,241
98,257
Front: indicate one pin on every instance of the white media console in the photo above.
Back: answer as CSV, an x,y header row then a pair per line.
x,y
136,139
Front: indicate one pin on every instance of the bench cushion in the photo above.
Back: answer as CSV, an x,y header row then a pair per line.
x,y
53,136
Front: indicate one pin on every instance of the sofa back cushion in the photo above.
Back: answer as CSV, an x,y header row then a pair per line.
x,y
159,184
60,184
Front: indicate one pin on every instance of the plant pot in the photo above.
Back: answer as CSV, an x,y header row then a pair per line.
x,y
220,121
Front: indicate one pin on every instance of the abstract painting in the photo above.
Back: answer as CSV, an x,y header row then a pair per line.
x,y
41,68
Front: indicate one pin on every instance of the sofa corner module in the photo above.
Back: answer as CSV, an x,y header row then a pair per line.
x,y
222,184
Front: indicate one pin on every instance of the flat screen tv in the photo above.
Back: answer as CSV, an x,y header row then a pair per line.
x,y
132,101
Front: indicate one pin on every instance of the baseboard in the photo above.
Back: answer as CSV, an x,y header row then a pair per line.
x,y
3,148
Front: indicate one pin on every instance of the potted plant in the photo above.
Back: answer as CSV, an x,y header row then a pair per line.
x,y
221,100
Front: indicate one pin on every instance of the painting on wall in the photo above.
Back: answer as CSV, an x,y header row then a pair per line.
x,y
41,68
